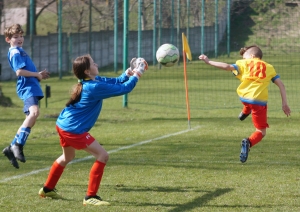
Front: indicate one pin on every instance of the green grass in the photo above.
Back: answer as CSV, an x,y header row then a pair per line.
x,y
196,170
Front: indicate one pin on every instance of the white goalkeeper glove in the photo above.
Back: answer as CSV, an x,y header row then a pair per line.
x,y
141,67
132,66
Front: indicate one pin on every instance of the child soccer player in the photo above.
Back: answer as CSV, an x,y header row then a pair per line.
x,y
255,76
79,116
28,90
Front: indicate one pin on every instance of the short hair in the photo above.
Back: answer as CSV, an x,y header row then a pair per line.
x,y
254,49
12,30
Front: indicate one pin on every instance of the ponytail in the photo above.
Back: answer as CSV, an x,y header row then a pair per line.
x,y
80,64
75,94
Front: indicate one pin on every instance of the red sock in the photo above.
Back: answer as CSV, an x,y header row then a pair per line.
x,y
95,178
255,138
54,175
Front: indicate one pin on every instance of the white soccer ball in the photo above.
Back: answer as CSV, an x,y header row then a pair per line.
x,y
167,55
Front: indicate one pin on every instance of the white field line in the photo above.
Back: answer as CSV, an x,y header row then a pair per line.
x,y
89,157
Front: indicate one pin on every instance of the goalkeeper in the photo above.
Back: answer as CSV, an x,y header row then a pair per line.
x,y
255,76
80,115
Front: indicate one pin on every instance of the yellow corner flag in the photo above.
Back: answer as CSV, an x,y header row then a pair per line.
x,y
186,47
186,53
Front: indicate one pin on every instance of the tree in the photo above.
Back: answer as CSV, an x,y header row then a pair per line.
x,y
41,3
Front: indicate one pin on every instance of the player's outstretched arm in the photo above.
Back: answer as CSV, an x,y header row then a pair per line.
x,y
219,65
286,109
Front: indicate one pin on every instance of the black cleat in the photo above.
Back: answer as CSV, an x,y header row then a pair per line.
x,y
17,149
10,155
243,116
245,149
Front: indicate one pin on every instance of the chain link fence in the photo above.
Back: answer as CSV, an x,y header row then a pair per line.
x,y
218,28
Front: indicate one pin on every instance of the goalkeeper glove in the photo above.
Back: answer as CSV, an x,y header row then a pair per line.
x,y
141,67
132,66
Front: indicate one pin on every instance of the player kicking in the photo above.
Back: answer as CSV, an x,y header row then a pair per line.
x,y
255,76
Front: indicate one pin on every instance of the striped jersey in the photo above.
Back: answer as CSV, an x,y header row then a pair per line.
x,y
26,86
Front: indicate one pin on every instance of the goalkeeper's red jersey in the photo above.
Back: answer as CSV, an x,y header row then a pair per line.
x,y
255,76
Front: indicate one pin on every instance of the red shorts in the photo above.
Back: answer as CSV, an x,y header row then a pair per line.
x,y
259,114
77,141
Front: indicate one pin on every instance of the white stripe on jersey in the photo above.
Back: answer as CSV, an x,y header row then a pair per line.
x,y
13,52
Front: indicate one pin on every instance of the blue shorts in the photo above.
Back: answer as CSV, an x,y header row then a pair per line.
x,y
29,102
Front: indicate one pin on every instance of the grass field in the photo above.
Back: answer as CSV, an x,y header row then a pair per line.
x,y
156,162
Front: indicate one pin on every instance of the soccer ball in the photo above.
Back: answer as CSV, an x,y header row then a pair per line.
x,y
167,55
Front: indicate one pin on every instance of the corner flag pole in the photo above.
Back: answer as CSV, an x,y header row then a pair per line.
x,y
186,53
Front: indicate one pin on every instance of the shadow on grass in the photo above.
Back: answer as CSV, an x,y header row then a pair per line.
x,y
158,189
202,200
195,203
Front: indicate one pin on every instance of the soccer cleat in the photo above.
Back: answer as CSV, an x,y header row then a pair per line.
x,y
10,155
94,200
244,150
17,149
243,116
51,194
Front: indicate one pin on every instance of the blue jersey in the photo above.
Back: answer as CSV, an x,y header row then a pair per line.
x,y
26,86
81,116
